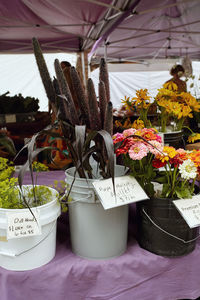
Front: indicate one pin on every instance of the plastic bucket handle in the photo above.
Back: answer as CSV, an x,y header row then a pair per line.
x,y
10,254
90,195
168,233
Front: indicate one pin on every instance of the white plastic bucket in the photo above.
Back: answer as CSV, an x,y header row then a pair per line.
x,y
95,233
28,253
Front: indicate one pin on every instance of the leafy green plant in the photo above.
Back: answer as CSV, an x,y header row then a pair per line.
x,y
12,197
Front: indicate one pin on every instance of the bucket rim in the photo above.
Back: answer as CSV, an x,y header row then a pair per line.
x,y
89,180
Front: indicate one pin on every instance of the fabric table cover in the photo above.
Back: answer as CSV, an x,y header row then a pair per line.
x,y
137,274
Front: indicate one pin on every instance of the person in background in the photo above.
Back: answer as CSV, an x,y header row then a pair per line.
x,y
177,71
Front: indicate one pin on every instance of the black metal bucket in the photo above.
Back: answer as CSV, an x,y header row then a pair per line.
x,y
174,139
162,230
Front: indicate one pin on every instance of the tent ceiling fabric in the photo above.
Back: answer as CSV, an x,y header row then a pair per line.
x,y
61,25
131,29
158,29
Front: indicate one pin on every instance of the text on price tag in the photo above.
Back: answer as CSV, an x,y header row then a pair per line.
x,y
190,210
127,191
23,224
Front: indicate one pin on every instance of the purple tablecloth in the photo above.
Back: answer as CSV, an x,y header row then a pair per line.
x,y
137,274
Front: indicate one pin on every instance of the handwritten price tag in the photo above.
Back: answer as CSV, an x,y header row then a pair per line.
x,y
127,190
190,210
23,224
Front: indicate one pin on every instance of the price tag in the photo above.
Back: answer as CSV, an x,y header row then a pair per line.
x,y
10,118
190,210
23,224
127,191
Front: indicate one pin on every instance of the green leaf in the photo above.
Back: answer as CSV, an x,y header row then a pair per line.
x,y
183,192
161,179
149,189
166,190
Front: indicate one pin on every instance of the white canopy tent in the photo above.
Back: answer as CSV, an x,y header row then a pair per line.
x,y
19,74
125,79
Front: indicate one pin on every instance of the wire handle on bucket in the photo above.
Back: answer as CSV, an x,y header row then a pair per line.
x,y
90,195
10,254
168,233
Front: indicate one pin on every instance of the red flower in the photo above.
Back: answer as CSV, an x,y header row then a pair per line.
x,y
156,163
176,161
125,146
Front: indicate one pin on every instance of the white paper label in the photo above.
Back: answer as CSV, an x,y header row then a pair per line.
x,y
190,210
127,191
10,118
23,224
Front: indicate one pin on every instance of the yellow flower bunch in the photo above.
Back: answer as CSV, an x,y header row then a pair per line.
x,y
140,103
142,99
39,167
137,124
176,105
6,169
194,137
127,103
191,101
171,86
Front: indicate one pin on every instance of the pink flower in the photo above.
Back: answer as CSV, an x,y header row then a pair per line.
x,y
129,132
117,135
157,150
158,138
180,151
138,151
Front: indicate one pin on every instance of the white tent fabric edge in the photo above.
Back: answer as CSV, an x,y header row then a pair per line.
x,y
19,74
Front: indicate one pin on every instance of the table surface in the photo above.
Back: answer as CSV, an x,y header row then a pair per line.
x,y
137,274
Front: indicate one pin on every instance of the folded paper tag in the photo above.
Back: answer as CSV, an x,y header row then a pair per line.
x,y
127,190
23,224
190,210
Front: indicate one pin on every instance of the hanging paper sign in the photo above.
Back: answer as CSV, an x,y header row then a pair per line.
x,y
190,210
127,190
23,224
10,118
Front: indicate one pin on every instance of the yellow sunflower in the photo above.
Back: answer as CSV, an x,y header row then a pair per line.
x,y
194,137
170,86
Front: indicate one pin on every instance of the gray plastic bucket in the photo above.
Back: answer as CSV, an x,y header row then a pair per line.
x,y
95,233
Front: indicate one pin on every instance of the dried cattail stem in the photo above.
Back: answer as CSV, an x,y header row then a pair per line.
x,y
66,92
81,96
94,115
102,102
44,73
103,76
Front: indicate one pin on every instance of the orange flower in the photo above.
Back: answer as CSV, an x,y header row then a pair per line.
x,y
195,157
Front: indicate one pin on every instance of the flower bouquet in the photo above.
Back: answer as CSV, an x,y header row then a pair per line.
x,y
174,107
140,104
139,148
149,162
165,174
